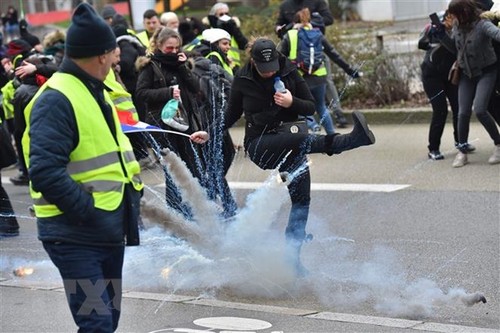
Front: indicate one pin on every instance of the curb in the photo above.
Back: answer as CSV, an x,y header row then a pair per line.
x,y
397,116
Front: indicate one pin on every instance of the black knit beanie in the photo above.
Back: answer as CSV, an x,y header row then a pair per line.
x,y
88,35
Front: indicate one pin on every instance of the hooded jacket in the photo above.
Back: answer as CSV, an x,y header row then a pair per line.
x,y
131,49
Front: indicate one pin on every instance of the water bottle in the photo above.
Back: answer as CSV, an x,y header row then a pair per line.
x,y
279,86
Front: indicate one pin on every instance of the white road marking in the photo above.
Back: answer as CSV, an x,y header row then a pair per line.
x,y
330,187
232,323
386,188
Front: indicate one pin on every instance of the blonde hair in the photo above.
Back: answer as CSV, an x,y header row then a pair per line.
x,y
160,35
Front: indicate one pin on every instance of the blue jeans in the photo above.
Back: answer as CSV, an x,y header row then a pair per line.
x,y
92,278
318,93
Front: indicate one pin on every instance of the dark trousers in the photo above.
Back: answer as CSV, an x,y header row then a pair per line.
x,y
439,90
92,278
288,152
19,128
475,94
8,221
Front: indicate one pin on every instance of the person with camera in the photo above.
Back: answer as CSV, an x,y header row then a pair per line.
x,y
219,17
435,67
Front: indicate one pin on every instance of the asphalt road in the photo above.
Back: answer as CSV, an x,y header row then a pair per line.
x,y
400,242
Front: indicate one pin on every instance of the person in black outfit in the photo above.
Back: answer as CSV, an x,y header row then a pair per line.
x,y
8,221
435,68
289,8
164,75
272,142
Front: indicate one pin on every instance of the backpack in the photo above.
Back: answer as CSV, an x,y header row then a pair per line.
x,y
309,50
215,86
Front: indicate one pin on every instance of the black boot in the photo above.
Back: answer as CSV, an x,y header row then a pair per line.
x,y
8,226
360,136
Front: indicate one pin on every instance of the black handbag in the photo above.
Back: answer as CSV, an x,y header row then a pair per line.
x,y
8,155
293,127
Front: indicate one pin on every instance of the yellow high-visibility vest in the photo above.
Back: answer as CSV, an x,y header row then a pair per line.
x,y
226,67
143,38
8,91
192,44
234,53
122,100
95,162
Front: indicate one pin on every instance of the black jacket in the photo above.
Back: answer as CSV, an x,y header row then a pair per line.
x,y
252,96
288,8
131,48
438,59
154,87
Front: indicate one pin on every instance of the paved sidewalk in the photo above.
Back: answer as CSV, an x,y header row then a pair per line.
x,y
24,309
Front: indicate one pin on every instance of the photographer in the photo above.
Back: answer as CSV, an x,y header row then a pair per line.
x,y
219,17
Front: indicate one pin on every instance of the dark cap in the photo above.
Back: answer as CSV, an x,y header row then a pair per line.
x,y
265,56
317,21
108,11
88,35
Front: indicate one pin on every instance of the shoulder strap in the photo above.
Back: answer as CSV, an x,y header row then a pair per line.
x,y
158,72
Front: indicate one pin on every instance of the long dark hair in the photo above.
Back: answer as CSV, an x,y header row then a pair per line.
x,y
466,11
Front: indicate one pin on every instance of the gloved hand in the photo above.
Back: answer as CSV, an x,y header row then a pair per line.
x,y
212,19
230,26
437,30
281,30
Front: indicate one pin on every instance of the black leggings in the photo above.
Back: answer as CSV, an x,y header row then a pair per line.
x,y
438,90
288,152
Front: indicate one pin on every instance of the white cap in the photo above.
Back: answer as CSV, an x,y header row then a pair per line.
x,y
215,34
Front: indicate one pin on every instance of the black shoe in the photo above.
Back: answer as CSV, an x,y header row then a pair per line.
x,y
9,232
20,180
340,119
435,155
9,227
339,124
465,148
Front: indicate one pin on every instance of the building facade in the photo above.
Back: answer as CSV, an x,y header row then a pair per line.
x,y
398,10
